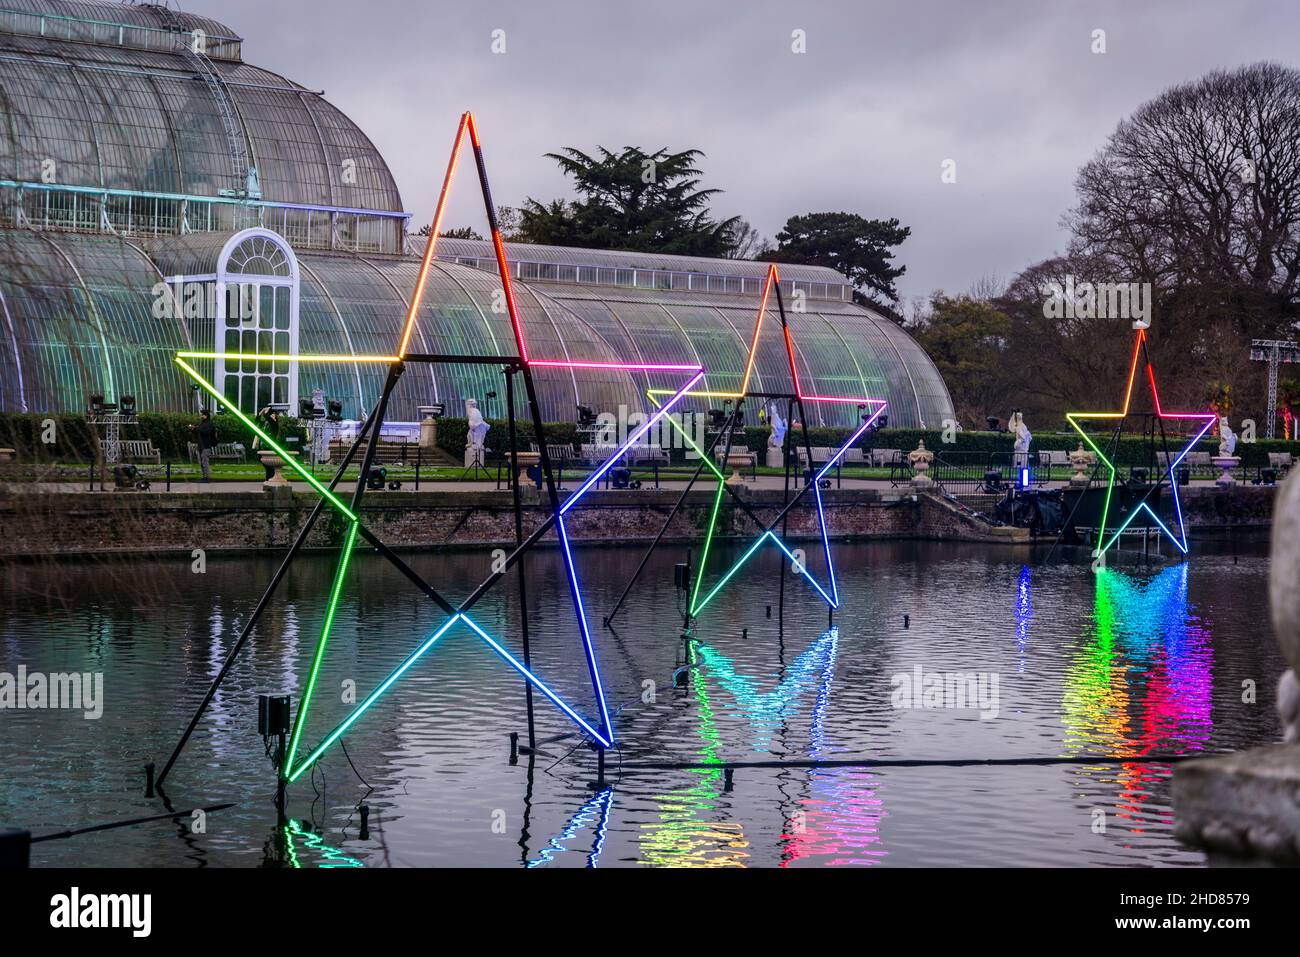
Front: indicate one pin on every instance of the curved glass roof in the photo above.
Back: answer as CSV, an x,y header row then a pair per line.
x,y
148,120
120,163
77,316
143,26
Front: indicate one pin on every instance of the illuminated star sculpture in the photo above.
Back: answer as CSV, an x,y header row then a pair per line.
x,y
828,591
598,726
1158,416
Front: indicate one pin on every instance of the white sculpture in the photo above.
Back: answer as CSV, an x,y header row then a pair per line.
x,y
777,439
1227,438
478,430
1023,438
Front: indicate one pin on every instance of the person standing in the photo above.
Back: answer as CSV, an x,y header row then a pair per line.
x,y
268,418
206,433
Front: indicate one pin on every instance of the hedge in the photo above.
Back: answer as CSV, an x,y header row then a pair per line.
x,y
170,433
75,439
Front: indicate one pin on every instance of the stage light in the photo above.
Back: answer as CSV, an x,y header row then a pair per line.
x,y
335,413
586,417
126,405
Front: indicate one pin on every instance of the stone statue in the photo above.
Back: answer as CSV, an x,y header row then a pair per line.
x,y
1284,593
776,439
1023,438
1242,804
1227,438
478,430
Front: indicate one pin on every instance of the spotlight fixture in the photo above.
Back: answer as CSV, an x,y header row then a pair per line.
x,y
586,416
994,423
95,404
335,413
126,405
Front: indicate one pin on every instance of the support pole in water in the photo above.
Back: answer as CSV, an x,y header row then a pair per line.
x,y
148,780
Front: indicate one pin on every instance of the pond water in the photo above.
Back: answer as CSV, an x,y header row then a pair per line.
x,y
1062,662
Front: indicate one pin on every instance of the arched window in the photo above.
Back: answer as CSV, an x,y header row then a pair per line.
x,y
257,316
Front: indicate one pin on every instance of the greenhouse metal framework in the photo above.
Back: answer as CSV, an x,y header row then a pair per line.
x,y
521,364
869,409
142,168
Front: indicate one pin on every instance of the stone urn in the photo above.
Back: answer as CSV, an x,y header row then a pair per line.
x,y
1225,464
274,462
919,459
1082,461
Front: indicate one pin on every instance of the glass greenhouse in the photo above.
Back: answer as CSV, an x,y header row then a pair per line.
x,y
158,194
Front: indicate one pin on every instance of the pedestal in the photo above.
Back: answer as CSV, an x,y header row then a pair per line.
x,y
1226,463
921,480
775,460
475,456
429,433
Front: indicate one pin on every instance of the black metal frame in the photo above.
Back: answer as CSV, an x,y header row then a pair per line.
x,y
511,366
792,399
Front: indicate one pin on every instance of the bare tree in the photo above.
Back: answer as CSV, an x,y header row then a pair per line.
x,y
1198,193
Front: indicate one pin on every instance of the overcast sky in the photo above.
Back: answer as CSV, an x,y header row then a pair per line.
x,y
862,121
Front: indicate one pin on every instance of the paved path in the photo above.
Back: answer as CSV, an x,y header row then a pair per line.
x,y
764,482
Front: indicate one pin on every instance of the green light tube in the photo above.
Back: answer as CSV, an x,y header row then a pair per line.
x,y
695,608
339,575
290,460
374,696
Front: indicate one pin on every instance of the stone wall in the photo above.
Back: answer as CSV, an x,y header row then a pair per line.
x,y
70,523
